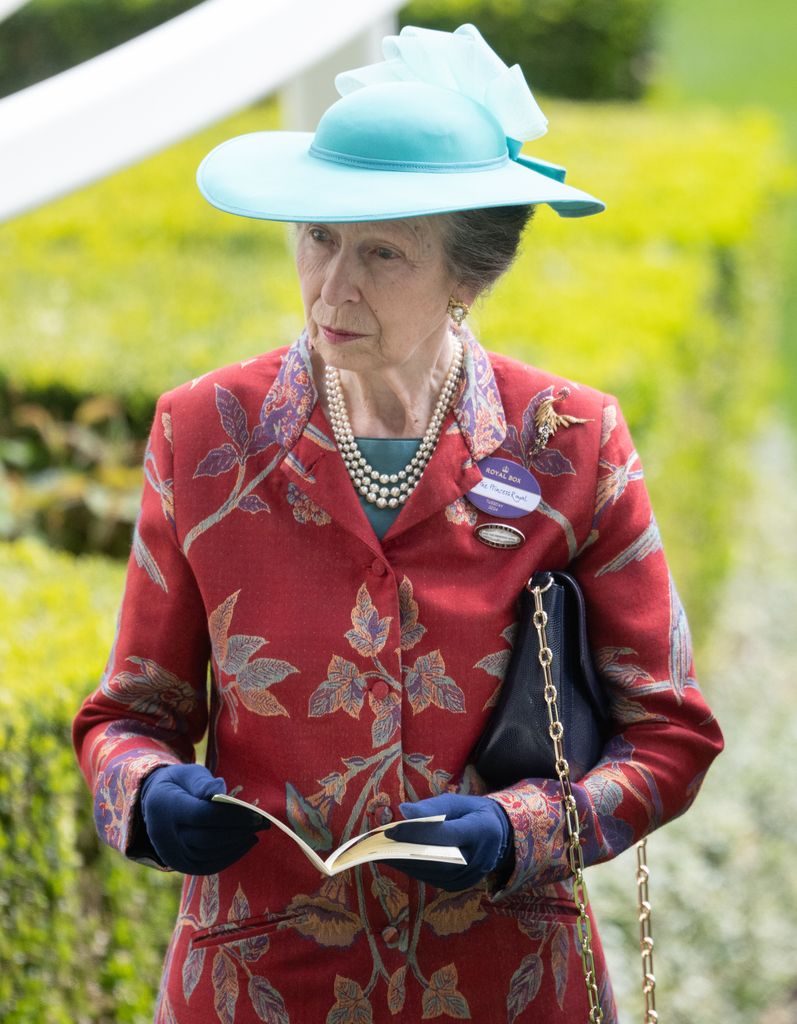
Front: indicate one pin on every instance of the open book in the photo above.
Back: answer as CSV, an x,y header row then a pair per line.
x,y
373,845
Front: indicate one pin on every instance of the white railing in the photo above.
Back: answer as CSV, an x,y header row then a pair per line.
x,y
9,6
168,83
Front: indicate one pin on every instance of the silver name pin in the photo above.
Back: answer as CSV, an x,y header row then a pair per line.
x,y
500,535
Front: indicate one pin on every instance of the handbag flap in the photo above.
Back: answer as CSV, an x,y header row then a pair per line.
x,y
576,616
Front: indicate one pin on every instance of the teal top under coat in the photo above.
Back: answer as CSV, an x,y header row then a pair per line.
x,y
388,455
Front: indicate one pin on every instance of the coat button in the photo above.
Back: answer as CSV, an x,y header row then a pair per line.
x,y
378,568
380,689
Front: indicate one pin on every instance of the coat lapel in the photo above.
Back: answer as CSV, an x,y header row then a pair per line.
x,y
475,427
315,466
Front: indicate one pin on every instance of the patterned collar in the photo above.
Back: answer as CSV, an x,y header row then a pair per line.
x,y
478,409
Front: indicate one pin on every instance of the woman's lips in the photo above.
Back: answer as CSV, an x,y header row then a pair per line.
x,y
338,336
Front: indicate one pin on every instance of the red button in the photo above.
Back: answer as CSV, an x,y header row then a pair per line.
x,y
380,689
378,568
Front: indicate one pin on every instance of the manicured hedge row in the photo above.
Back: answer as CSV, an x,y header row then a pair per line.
x,y
136,284
576,48
47,36
668,299
582,49
83,933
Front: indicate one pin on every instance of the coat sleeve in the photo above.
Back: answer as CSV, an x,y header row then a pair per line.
x,y
664,736
151,706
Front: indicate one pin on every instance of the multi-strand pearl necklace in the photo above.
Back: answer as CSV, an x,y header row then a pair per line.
x,y
388,490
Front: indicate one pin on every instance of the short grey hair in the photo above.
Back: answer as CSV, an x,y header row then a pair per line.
x,y
480,245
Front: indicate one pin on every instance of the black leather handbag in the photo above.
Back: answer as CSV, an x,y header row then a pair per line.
x,y
530,724
517,742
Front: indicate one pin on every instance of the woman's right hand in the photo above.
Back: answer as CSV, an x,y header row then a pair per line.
x,y
189,832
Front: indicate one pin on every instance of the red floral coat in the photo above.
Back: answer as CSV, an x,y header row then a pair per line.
x,y
349,674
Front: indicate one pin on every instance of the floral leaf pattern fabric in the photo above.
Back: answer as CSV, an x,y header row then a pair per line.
x,y
343,689
304,509
351,1005
462,513
397,990
145,560
524,986
325,921
426,683
647,543
370,632
248,679
411,629
451,913
335,676
266,1001
442,998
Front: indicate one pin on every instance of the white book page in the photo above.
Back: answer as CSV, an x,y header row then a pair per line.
x,y
380,847
369,846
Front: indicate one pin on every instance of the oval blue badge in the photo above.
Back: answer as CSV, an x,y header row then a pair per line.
x,y
506,489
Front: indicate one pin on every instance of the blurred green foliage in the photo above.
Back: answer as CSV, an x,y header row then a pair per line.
x,y
112,295
574,48
74,480
135,284
669,300
83,932
580,49
47,36
750,62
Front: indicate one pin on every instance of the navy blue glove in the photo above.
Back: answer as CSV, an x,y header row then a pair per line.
x,y
476,824
187,830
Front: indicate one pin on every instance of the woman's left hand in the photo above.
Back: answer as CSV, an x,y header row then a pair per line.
x,y
476,824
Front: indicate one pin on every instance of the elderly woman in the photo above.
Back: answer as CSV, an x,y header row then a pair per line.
x,y
314,528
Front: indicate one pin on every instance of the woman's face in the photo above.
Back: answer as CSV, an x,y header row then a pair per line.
x,y
375,293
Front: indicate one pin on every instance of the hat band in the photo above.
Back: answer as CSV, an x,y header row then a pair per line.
x,y
375,164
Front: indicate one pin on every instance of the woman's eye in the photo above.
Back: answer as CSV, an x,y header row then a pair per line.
x,y
318,235
386,254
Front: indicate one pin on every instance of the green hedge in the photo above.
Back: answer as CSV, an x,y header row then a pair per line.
x,y
577,48
83,932
668,299
581,49
47,36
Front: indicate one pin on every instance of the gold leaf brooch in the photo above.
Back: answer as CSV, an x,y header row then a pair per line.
x,y
547,420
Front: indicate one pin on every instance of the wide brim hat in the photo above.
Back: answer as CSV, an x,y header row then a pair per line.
x,y
437,127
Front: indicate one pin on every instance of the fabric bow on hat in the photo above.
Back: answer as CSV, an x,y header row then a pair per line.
x,y
462,61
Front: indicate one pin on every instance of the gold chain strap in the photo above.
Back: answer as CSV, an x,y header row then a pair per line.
x,y
645,934
574,855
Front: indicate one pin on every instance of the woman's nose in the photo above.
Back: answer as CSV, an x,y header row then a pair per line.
x,y
340,280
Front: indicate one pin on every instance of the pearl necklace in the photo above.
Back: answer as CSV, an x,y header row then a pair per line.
x,y
388,490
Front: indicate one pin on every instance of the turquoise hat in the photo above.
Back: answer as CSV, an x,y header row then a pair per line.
x,y
438,126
